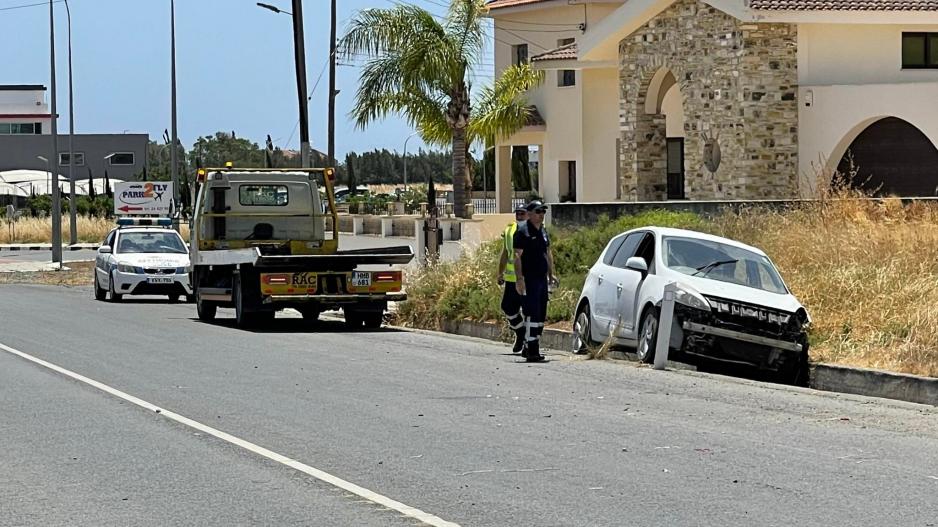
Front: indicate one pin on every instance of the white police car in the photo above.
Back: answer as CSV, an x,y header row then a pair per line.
x,y
142,256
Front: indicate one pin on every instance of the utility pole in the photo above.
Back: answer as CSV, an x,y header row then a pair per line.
x,y
72,206
299,51
175,139
332,88
54,158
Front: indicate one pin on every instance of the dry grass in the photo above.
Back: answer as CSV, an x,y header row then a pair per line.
x,y
867,272
39,230
79,273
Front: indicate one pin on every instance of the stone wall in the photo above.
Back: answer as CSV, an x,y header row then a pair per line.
x,y
739,86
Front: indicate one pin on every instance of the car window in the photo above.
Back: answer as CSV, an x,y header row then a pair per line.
x,y
627,250
726,263
646,250
151,242
109,241
613,247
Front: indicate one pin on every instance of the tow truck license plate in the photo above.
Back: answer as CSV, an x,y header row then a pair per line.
x,y
361,279
159,280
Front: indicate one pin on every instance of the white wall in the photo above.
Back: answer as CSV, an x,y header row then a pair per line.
x,y
596,178
568,127
839,113
856,54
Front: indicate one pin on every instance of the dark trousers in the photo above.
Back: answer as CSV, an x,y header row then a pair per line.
x,y
535,307
511,306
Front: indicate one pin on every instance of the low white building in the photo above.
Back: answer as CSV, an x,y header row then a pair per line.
x,y
724,99
23,109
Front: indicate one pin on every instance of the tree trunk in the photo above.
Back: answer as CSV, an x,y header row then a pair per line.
x,y
459,171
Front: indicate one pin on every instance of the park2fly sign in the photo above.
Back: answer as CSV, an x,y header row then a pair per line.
x,y
143,197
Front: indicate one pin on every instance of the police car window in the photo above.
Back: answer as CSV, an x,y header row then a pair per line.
x,y
150,242
263,195
628,249
109,241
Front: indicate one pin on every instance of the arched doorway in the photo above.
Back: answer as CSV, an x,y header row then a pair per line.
x,y
892,157
661,136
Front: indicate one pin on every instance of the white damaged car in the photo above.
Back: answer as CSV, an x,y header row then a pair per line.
x,y
731,306
142,257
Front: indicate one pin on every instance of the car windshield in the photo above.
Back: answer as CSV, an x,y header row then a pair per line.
x,y
722,262
151,242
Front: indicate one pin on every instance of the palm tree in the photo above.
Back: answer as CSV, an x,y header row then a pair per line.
x,y
420,67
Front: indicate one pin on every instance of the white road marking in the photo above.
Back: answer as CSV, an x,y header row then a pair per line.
x,y
371,496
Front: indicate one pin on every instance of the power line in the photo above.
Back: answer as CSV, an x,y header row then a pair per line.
x,y
29,5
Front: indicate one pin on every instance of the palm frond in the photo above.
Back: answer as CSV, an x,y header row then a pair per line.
x,y
502,108
375,31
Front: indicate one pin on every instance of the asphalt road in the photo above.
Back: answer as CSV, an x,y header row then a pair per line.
x,y
454,427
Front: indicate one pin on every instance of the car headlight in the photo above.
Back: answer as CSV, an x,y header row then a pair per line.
x,y
691,299
125,268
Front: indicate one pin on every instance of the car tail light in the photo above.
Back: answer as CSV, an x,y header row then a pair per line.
x,y
276,279
387,276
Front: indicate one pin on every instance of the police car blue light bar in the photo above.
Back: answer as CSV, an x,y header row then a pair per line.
x,y
144,222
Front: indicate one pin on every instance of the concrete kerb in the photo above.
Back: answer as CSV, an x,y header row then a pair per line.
x,y
48,247
824,377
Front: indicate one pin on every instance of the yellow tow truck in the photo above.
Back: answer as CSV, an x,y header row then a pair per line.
x,y
259,244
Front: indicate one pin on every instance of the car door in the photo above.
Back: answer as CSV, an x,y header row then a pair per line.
x,y
611,274
630,284
102,261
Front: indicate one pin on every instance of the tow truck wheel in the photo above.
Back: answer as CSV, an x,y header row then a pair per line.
x,y
205,309
310,315
373,320
353,319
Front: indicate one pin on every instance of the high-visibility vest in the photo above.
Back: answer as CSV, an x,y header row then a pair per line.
x,y
508,238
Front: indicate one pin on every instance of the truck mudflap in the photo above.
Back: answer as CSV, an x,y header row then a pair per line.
x,y
401,255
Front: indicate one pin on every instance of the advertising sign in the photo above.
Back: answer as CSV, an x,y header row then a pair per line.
x,y
143,197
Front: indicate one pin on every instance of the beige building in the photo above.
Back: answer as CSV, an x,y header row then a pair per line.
x,y
723,99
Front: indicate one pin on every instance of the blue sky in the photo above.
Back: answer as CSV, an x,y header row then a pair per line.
x,y
234,67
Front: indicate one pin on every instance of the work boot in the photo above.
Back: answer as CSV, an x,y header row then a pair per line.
x,y
519,343
532,352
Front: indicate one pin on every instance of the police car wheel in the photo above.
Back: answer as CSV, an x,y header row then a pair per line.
x,y
113,296
100,293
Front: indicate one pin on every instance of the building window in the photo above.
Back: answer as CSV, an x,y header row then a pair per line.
x,y
79,159
519,54
920,50
122,158
566,77
20,128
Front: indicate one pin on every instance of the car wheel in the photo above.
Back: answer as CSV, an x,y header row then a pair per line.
x,y
113,296
205,309
798,372
243,319
582,331
373,320
100,293
648,338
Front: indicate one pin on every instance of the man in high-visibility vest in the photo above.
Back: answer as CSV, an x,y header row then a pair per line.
x,y
511,300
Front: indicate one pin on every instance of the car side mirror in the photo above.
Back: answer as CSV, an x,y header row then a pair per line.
x,y
105,249
637,264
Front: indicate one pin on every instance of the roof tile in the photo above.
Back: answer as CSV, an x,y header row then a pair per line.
x,y
844,5
567,52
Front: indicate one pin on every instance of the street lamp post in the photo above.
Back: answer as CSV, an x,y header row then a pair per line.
x,y
299,56
172,159
56,199
72,206
405,158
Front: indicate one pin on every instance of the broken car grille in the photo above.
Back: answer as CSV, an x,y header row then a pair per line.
x,y
751,318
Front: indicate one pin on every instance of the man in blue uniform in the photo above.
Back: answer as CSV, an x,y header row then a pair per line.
x,y
534,269
511,300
